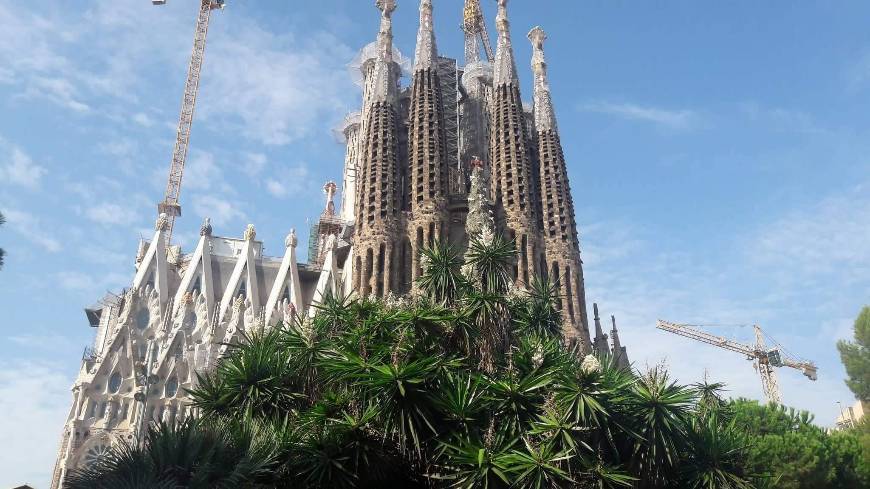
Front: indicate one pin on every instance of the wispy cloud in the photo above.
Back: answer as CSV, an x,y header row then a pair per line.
x,y
32,395
275,89
782,119
18,168
111,214
670,118
222,212
30,227
824,238
288,181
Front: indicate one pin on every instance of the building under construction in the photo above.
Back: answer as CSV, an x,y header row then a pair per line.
x,y
412,150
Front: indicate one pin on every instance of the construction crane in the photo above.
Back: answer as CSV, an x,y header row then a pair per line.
x,y
170,204
765,359
474,26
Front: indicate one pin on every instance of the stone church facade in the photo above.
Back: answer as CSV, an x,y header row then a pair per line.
x,y
410,152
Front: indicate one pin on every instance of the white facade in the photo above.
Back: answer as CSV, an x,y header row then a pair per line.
x,y
171,323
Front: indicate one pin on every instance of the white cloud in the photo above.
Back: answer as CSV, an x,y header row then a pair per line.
x,y
781,119
110,214
674,119
19,168
34,400
202,173
288,181
273,88
143,119
824,238
29,226
221,212
254,163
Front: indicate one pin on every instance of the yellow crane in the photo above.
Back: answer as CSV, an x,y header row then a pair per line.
x,y
170,204
474,26
766,359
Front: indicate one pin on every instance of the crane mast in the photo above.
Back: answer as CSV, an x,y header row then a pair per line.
x,y
170,204
474,26
765,359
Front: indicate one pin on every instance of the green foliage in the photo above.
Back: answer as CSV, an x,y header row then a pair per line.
x,y
469,386
785,447
856,357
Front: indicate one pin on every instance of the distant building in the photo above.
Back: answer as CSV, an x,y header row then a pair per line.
x,y
410,155
852,415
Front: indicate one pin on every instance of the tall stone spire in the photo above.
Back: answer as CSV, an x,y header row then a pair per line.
x,y
562,246
512,180
427,143
427,50
619,353
545,118
601,346
377,210
384,84
505,64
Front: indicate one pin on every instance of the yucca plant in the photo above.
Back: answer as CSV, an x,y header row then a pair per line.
x,y
467,385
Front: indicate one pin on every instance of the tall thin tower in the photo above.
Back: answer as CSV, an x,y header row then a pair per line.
x,y
427,145
378,209
512,177
561,243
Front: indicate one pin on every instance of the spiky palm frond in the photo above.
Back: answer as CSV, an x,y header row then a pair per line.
x,y
471,462
538,315
716,456
538,466
660,410
253,378
491,262
442,279
460,401
194,454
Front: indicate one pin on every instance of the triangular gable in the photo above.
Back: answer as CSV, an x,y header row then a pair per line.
x,y
246,269
155,261
329,280
287,280
199,271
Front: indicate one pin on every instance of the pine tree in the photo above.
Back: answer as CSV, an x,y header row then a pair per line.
x,y
856,357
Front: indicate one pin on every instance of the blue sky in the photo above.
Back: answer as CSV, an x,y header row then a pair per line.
x,y
718,155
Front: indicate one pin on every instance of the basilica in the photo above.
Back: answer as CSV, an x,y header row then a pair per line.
x,y
413,152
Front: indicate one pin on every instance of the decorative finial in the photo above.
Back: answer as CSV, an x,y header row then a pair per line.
x,y
537,36
505,70
595,309
545,118
387,7
291,240
329,189
162,222
427,51
205,229
250,233
384,79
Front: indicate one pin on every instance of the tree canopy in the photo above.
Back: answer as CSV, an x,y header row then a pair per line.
x,y
856,357
467,383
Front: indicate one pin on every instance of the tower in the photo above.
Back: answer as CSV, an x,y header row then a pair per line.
x,y
512,177
427,145
378,209
561,243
